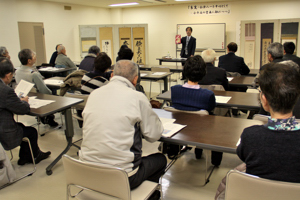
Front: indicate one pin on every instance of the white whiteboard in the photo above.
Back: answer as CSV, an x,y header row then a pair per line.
x,y
207,35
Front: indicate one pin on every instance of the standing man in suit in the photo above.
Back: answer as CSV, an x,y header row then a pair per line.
x,y
12,132
288,51
214,75
188,46
232,63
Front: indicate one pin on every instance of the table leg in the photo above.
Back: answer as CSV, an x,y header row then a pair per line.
x,y
165,84
69,132
160,62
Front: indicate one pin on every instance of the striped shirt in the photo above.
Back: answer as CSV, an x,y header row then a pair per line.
x,y
93,80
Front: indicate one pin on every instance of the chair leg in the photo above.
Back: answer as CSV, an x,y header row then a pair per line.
x,y
150,90
25,139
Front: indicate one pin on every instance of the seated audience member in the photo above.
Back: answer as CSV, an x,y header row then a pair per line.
x,y
232,63
99,77
288,51
62,60
124,46
12,132
127,54
54,55
87,63
272,150
191,97
214,75
4,52
275,54
28,73
118,115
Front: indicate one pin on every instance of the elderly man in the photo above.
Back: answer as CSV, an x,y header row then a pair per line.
x,y
62,61
232,63
288,51
28,73
275,54
87,63
116,117
214,75
4,52
11,132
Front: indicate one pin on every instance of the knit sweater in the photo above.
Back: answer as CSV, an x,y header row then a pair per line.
x,y
192,99
94,80
271,154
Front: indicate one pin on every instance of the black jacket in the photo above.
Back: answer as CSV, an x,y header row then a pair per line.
x,y
191,47
214,75
232,63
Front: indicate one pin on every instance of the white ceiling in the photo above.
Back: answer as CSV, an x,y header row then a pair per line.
x,y
106,3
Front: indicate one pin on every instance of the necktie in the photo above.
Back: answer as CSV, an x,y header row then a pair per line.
x,y
186,45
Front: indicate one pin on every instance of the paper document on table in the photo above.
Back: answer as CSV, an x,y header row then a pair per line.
x,y
23,88
53,82
238,143
143,74
222,99
171,128
159,73
166,120
49,69
229,78
37,103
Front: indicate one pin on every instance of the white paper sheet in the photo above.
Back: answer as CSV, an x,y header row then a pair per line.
x,y
229,78
23,88
159,73
53,82
143,74
222,99
49,69
37,103
170,128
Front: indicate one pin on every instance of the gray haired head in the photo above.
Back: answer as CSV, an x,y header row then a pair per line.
x,y
208,55
276,50
94,50
60,49
3,51
126,69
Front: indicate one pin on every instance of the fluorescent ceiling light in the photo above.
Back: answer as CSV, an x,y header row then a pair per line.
x,y
125,4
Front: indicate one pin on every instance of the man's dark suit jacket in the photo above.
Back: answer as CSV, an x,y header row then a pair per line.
x,y
276,60
191,47
232,63
292,57
11,133
214,75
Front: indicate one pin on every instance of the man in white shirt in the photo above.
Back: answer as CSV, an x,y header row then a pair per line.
x,y
116,117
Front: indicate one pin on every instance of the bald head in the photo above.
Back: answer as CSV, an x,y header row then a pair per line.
x,y
126,69
61,49
208,55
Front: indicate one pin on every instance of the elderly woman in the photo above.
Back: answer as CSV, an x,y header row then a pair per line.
x,y
191,97
272,150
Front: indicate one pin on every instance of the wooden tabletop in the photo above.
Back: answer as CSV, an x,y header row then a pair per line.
x,y
60,104
241,100
172,68
242,81
207,131
171,59
253,72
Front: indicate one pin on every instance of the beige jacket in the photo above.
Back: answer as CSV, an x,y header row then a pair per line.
x,y
73,80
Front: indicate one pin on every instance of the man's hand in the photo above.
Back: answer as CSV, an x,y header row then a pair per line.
x,y
24,99
192,55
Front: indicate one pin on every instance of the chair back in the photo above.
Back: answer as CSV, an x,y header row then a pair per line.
x,y
199,112
111,182
78,96
240,185
213,87
160,69
233,74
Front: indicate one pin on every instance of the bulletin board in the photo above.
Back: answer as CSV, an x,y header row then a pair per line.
x,y
138,34
210,35
106,41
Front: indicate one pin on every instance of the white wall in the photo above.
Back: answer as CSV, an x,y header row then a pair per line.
x,y
162,21
61,26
